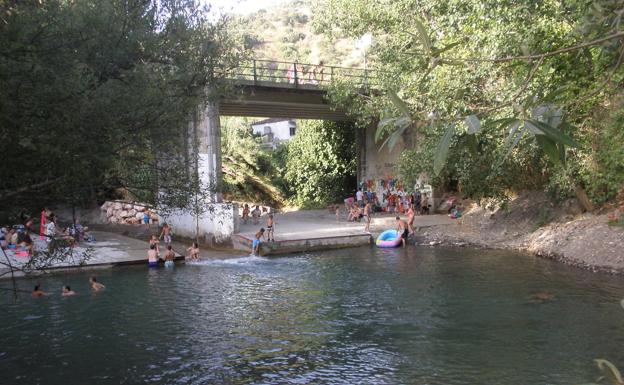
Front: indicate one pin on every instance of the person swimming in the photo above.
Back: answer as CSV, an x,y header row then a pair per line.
x,y
152,256
169,256
95,285
67,291
37,292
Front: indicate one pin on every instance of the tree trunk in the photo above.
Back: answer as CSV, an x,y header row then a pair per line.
x,y
583,199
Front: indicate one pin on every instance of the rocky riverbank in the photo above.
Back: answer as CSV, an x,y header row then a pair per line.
x,y
532,223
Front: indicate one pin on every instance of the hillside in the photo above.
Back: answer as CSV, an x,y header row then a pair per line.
x,y
285,33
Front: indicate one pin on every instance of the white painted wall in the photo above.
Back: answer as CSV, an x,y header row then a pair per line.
x,y
216,225
280,130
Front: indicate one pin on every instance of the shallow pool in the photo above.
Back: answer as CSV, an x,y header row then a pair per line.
x,y
357,316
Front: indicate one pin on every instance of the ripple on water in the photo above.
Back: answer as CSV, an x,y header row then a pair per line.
x,y
348,316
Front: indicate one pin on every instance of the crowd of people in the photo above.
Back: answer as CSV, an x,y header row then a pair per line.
x,y
300,74
19,237
362,205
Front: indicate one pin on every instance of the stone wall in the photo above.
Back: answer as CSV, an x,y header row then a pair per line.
x,y
214,227
126,213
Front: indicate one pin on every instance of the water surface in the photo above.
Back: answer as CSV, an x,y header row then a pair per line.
x,y
355,316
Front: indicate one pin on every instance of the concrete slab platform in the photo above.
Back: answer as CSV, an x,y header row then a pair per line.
x,y
308,230
109,250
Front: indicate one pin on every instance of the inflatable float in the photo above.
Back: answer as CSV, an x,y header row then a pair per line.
x,y
389,238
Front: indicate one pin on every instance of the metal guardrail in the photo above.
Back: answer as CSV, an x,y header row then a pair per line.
x,y
296,74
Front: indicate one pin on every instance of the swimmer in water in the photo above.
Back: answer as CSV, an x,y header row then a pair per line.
x,y
37,292
193,252
95,285
152,256
169,256
67,291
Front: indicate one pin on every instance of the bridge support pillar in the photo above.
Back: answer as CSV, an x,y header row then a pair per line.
x,y
208,136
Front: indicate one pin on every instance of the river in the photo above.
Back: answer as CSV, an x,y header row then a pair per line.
x,y
364,315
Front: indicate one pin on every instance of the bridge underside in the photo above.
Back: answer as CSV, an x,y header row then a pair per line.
x,y
304,102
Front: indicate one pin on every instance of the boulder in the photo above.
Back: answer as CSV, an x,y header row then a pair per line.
x,y
139,208
109,212
132,213
127,206
138,216
113,220
123,214
117,206
133,221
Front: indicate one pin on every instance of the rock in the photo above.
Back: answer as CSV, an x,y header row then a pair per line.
x,y
123,214
109,212
127,206
132,213
133,221
138,216
139,208
117,206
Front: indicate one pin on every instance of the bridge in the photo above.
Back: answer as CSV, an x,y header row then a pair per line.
x,y
267,88
260,88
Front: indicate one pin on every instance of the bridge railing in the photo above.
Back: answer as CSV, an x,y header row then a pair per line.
x,y
296,74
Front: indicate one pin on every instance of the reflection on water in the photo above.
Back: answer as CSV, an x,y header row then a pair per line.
x,y
372,316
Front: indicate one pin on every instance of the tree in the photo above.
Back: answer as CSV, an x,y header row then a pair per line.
x,y
321,162
521,76
95,96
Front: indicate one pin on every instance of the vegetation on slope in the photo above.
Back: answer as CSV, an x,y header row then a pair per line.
x,y
500,95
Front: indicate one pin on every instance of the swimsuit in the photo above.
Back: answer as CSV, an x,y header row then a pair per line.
x,y
169,264
167,238
405,233
152,264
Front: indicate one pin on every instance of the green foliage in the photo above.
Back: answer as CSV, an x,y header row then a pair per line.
x,y
321,165
250,171
95,97
602,170
508,89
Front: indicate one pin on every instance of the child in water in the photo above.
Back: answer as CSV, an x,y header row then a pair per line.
x,y
255,246
152,256
154,242
193,252
67,291
37,292
169,256
95,285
